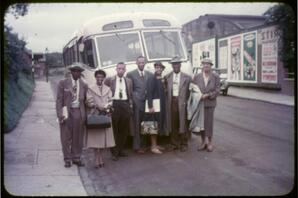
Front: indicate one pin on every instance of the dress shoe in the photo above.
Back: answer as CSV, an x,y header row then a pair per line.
x,y
114,158
78,163
140,151
122,154
101,165
209,148
183,148
160,148
171,147
67,164
156,151
202,147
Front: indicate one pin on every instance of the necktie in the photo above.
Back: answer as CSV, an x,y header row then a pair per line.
x,y
75,91
120,89
142,75
176,78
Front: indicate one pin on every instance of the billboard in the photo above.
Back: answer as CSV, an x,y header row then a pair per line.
x,y
250,56
268,37
204,49
223,53
269,62
235,68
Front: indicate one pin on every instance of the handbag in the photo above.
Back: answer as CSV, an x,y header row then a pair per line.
x,y
98,121
149,128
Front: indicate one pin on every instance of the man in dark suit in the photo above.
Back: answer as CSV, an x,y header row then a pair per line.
x,y
122,103
139,78
178,94
71,113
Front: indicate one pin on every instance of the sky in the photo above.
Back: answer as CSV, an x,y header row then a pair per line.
x,y
51,25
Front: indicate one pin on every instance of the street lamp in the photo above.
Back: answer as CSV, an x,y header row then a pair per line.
x,y
47,69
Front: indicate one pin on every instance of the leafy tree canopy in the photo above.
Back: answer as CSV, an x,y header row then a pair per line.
x,y
285,16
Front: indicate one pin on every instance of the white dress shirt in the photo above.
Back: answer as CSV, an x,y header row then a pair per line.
x,y
206,79
141,73
176,83
76,102
120,88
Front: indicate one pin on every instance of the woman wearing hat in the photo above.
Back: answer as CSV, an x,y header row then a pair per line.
x,y
155,91
209,84
99,100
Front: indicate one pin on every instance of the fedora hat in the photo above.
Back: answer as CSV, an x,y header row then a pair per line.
x,y
175,59
207,60
76,66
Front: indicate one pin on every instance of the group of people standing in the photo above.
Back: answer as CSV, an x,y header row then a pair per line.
x,y
141,104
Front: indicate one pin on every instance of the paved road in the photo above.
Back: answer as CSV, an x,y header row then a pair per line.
x,y
254,155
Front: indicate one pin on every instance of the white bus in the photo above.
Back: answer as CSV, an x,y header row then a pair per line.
x,y
103,42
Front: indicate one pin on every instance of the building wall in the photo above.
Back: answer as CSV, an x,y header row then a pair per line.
x,y
209,26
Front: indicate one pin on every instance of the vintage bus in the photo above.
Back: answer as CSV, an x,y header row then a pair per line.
x,y
103,42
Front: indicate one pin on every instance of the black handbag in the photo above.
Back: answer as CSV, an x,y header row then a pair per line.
x,y
98,121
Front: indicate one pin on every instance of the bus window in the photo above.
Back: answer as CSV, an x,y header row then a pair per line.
x,y
155,22
163,44
89,51
118,48
117,25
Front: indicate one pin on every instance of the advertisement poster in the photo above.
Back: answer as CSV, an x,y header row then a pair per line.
x,y
269,62
235,69
249,56
195,56
223,54
268,34
204,49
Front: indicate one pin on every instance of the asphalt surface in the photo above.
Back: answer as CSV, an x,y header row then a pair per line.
x,y
253,155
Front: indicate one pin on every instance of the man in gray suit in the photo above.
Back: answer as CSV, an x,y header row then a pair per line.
x,y
139,78
178,94
71,113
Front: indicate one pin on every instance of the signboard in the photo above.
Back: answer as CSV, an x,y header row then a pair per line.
x,y
249,57
235,68
201,50
269,62
268,34
268,38
223,54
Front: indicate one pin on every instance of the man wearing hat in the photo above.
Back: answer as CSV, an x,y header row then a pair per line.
x,y
209,84
71,113
177,96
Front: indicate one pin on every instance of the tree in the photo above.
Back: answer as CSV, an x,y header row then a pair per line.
x,y
14,66
284,15
18,9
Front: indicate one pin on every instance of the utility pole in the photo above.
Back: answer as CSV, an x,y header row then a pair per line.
x,y
47,68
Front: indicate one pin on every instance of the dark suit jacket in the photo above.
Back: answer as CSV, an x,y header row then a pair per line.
x,y
64,97
139,87
111,82
213,88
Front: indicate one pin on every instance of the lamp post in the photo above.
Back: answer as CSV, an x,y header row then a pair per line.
x,y
47,69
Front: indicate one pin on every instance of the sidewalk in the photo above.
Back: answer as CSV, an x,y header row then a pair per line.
x,y
262,95
33,160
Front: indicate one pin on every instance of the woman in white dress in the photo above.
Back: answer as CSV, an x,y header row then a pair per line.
x,y
99,100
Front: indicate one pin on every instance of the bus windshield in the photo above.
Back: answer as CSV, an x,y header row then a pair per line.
x,y
163,44
116,47
125,47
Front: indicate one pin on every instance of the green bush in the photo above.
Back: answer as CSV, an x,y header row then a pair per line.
x,y
18,98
